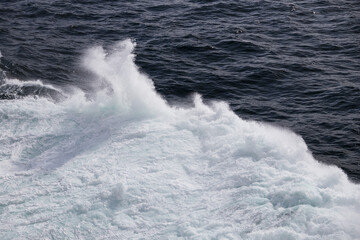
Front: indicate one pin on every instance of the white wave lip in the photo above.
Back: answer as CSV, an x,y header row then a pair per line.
x,y
127,165
18,83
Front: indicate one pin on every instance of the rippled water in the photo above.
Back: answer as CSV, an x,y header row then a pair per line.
x,y
93,147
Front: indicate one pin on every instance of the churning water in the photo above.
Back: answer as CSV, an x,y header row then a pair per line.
x,y
92,148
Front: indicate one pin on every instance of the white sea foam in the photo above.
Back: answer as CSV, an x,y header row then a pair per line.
x,y
127,165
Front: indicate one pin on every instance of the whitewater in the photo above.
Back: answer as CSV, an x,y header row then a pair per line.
x,y
119,162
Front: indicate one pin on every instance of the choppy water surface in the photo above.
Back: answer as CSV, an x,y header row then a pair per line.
x,y
103,138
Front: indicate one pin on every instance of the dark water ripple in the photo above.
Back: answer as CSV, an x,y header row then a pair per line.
x,y
292,63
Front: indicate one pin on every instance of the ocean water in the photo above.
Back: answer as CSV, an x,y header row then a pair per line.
x,y
179,120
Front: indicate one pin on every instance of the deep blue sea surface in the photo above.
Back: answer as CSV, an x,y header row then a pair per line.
x,y
179,119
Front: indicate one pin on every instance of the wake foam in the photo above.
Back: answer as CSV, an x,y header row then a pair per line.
x,y
127,165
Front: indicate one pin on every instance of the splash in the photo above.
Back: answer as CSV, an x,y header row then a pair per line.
x,y
116,73
127,165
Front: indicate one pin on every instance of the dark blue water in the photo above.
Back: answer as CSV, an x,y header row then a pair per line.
x,y
295,64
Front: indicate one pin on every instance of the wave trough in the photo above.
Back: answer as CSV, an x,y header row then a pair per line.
x,y
123,163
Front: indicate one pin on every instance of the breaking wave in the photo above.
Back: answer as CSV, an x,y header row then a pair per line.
x,y
122,163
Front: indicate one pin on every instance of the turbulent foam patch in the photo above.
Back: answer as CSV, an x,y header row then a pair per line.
x,y
127,165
